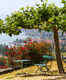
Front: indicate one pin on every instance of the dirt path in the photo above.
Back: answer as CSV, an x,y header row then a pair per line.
x,y
36,78
54,75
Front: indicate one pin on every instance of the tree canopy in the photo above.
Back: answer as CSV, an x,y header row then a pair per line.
x,y
43,16
64,13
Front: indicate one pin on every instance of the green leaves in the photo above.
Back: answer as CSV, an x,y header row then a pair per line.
x,y
1,26
63,1
45,15
64,15
31,17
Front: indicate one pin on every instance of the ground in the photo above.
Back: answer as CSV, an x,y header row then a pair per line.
x,y
53,75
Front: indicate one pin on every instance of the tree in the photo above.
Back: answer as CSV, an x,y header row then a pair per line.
x,y
56,24
44,17
52,18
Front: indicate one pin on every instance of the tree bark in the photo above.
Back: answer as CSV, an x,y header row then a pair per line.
x,y
9,59
57,50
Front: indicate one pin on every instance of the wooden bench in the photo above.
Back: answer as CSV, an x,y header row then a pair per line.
x,y
23,62
44,63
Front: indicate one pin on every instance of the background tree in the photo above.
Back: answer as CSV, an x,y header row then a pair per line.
x,y
1,25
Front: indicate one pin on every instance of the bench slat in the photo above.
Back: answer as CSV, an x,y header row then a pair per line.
x,y
40,64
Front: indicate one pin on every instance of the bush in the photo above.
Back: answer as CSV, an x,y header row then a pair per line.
x,y
3,62
31,50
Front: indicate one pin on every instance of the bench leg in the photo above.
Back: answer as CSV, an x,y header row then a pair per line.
x,y
47,68
41,68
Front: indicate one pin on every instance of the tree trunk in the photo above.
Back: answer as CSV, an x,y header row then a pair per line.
x,y
9,59
57,50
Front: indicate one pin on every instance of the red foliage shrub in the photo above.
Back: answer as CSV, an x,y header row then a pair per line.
x,y
6,53
3,67
23,48
31,50
25,41
19,53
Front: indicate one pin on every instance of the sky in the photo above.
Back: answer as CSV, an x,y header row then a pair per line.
x,y
8,6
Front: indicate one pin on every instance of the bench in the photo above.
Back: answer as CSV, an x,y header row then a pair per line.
x,y
40,67
23,62
44,63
